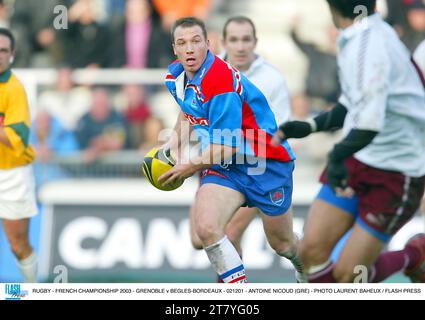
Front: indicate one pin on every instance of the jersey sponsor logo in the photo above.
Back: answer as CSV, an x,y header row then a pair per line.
x,y
277,197
194,121
210,172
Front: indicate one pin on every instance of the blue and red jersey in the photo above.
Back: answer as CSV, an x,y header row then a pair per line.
x,y
225,108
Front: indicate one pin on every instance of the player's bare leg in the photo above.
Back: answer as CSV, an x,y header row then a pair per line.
x,y
325,226
17,232
361,259
196,242
361,250
214,207
280,235
238,224
234,229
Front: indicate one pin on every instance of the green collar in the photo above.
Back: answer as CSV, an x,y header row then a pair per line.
x,y
5,76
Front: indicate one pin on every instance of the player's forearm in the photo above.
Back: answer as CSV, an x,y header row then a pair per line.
x,y
180,135
214,154
328,121
352,143
331,120
3,138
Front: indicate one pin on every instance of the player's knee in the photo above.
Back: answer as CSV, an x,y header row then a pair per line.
x,y
208,233
282,245
196,242
343,274
311,253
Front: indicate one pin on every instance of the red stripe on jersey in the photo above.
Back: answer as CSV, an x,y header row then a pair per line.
x,y
218,80
169,76
238,279
421,75
238,79
194,121
198,93
259,139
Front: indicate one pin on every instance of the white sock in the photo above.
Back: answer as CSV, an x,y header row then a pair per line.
x,y
226,261
28,267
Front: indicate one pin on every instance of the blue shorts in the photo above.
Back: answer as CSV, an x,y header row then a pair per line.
x,y
349,205
271,191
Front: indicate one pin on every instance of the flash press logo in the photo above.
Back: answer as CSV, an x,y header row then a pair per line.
x,y
14,292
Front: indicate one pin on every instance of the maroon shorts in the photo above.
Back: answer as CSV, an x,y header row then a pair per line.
x,y
386,200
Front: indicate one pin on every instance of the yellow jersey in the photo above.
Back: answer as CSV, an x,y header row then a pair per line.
x,y
15,119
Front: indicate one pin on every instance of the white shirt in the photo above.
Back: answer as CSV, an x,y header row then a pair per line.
x,y
271,83
383,92
273,86
419,56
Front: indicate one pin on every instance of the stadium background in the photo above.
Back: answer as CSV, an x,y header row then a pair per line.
x,y
98,216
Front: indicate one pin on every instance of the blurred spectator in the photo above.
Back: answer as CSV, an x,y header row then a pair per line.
x,y
33,23
144,128
165,13
420,56
171,10
115,7
102,129
408,19
87,40
50,139
67,103
416,21
322,75
4,18
397,15
132,36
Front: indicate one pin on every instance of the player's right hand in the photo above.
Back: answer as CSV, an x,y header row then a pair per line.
x,y
294,129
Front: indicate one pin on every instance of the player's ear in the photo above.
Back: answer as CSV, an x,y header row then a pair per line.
x,y
12,57
174,50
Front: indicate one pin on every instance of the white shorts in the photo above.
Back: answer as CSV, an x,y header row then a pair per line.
x,y
17,193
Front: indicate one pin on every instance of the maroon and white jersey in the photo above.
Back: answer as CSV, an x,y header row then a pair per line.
x,y
383,91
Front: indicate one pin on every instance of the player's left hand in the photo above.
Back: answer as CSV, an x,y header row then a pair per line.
x,y
178,173
337,178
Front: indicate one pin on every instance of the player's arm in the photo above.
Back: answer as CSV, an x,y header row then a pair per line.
x,y
213,154
225,121
357,139
16,127
3,137
179,138
327,121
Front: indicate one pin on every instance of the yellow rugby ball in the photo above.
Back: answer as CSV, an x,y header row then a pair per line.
x,y
157,162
